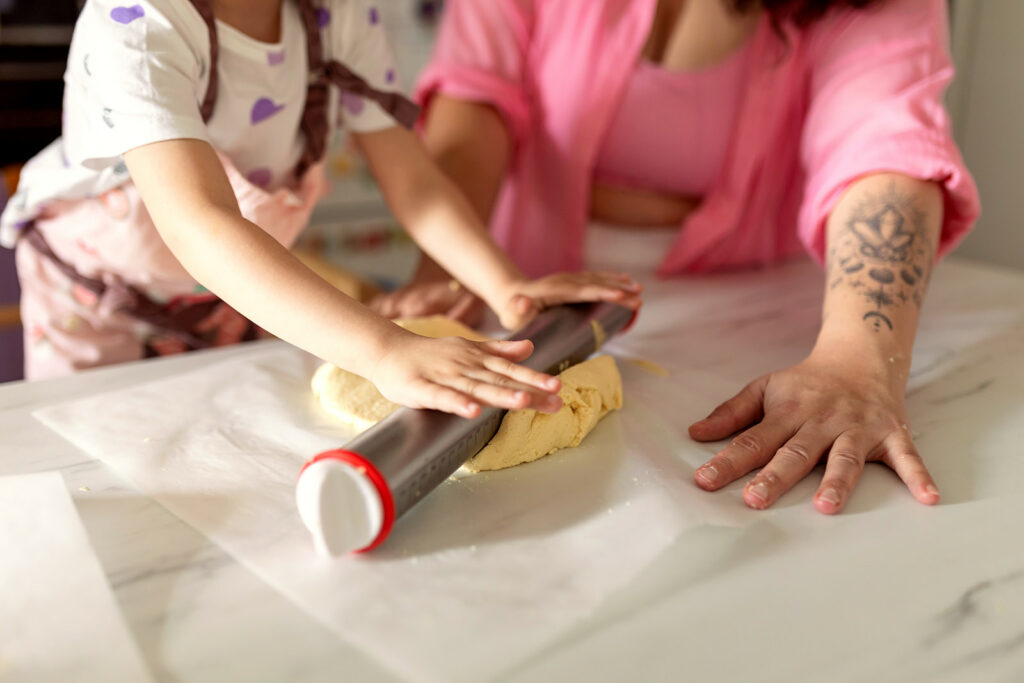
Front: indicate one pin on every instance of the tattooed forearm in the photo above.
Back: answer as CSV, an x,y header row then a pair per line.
x,y
881,248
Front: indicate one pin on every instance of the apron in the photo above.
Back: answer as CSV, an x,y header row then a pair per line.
x,y
99,286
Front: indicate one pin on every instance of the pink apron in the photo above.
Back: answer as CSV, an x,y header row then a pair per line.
x,y
99,286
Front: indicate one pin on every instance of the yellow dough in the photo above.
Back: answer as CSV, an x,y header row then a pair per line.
x,y
350,398
353,399
590,391
439,326
355,286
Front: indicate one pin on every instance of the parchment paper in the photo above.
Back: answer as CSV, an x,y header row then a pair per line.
x,y
58,619
486,570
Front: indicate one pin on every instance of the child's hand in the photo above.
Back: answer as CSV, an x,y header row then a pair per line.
x,y
457,376
523,300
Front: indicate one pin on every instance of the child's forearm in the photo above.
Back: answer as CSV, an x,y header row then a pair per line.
x,y
194,208
471,145
262,280
437,215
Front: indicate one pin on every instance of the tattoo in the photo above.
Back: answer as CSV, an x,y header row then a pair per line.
x,y
883,251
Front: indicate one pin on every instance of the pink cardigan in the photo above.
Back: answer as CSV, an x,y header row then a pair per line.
x,y
856,93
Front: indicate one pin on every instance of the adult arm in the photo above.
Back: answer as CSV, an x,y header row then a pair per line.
x,y
887,191
846,401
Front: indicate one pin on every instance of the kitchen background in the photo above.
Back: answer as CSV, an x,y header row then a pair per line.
x,y
352,227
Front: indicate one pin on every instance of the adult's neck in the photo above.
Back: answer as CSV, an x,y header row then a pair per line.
x,y
258,19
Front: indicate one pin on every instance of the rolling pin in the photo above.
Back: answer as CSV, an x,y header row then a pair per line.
x,y
349,498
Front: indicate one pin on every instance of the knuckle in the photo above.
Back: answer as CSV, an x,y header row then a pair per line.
x,y
797,453
468,386
748,443
908,458
847,460
827,414
501,381
723,410
789,406
893,424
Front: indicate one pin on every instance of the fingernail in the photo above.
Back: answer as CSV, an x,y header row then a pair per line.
x,y
708,474
830,496
931,490
758,492
554,383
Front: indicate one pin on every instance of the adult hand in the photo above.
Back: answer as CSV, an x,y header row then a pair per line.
x,y
827,407
524,299
425,298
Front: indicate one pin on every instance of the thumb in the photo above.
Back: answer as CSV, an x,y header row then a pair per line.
x,y
738,412
520,310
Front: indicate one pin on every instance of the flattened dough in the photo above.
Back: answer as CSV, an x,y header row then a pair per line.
x,y
590,391
354,400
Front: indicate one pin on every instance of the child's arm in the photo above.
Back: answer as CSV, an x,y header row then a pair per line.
x,y
442,221
193,207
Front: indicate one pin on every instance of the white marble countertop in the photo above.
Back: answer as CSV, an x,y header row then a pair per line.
x,y
889,590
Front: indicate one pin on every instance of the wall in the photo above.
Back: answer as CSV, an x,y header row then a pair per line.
x,y
987,103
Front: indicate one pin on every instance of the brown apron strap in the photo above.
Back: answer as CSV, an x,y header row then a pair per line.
x,y
132,302
401,108
206,12
314,116
32,235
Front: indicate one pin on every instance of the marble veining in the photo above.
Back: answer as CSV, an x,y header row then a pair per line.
x,y
970,607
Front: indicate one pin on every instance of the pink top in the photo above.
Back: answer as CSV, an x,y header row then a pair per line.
x,y
672,129
858,92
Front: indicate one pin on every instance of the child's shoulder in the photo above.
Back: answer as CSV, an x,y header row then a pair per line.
x,y
348,23
140,20
357,14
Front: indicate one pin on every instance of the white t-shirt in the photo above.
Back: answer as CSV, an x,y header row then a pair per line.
x,y
138,72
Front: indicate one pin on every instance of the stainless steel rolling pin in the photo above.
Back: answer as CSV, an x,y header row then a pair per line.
x,y
349,498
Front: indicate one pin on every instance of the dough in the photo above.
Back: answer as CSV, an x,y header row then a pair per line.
x,y
650,366
353,399
589,391
350,398
600,336
351,284
439,326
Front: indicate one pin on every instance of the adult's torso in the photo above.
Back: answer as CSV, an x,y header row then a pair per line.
x,y
670,135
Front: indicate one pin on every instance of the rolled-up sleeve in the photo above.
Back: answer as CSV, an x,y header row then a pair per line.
x,y
876,105
481,56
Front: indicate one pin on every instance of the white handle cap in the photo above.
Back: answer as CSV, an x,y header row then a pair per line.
x,y
340,506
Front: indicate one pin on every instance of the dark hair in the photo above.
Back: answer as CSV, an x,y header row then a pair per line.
x,y
800,12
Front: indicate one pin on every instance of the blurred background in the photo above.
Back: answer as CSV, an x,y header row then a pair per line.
x,y
353,229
